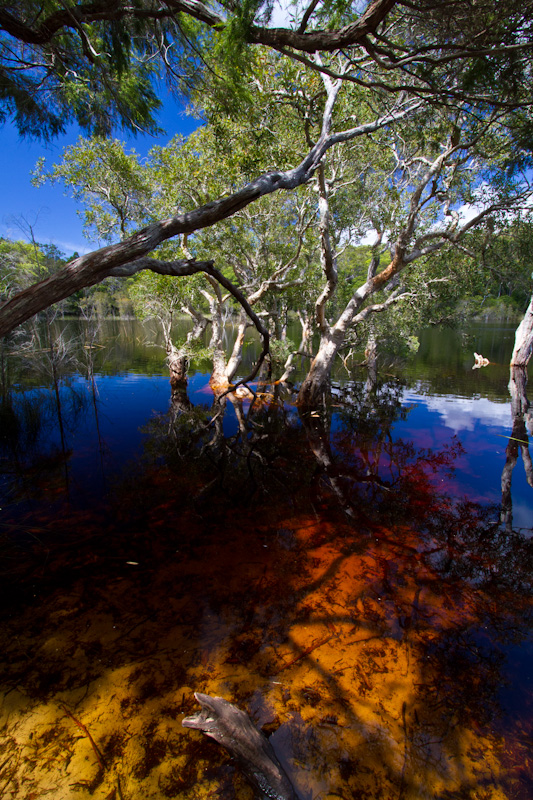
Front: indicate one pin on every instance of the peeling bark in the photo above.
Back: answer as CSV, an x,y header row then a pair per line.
x,y
178,365
371,357
315,386
236,355
327,254
304,348
517,389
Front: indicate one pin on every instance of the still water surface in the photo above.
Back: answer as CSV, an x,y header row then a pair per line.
x,y
358,581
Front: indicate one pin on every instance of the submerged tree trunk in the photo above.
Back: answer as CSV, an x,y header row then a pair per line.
x,y
178,364
517,441
219,380
178,357
235,359
371,357
303,350
521,411
316,383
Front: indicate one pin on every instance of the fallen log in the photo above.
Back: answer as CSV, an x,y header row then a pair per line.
x,y
234,730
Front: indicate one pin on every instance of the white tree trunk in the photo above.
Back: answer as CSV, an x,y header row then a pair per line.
x,y
523,347
236,355
317,379
523,344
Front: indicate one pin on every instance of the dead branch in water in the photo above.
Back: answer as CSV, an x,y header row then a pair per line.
x,y
82,727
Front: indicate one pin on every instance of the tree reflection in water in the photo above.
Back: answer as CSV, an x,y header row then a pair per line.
x,y
315,572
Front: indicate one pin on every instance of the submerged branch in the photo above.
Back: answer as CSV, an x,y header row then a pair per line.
x,y
234,730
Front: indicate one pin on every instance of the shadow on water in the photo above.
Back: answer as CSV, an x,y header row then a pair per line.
x,y
314,569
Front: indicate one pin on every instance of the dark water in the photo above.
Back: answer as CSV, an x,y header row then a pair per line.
x,y
356,579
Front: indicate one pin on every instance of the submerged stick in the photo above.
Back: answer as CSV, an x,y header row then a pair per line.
x,y
234,730
81,726
305,653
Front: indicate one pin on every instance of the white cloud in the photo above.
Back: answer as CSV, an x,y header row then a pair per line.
x,y
72,247
487,195
281,14
12,231
463,414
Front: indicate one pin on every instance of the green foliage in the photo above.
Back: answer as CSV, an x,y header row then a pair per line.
x,y
111,184
279,353
96,75
263,112
24,263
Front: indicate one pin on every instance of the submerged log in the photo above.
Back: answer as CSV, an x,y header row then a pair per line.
x,y
234,730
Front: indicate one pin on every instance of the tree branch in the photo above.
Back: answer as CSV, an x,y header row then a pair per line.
x,y
94,267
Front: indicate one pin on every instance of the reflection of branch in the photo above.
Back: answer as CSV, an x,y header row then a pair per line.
x,y
518,439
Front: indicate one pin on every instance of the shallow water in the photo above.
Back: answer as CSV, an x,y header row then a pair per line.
x,y
351,579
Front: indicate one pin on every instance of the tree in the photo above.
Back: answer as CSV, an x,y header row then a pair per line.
x,y
119,193
59,64
405,58
160,297
426,180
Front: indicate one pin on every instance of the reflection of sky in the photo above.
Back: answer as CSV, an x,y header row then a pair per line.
x,y
463,414
110,440
483,428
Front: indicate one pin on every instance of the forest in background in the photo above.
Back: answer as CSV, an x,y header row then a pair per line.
x,y
498,289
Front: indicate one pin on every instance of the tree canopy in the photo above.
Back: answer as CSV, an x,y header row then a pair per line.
x,y
390,116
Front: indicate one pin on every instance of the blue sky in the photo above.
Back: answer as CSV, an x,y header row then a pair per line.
x,y
51,214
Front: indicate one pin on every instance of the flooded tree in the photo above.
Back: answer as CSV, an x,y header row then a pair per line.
x,y
349,51
416,217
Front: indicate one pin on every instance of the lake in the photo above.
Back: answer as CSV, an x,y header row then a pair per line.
x,y
358,579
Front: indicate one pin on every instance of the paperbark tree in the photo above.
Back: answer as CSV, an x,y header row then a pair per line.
x,y
84,61
265,251
427,183
523,347
162,299
131,255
